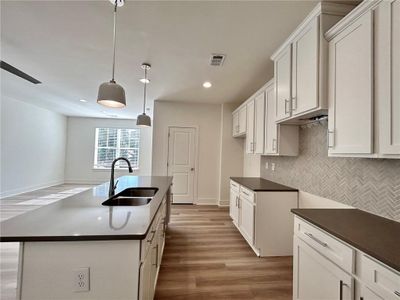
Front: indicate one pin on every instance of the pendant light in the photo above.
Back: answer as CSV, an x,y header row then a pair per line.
x,y
110,93
143,119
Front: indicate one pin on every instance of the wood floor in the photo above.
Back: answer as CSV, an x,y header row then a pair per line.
x,y
14,206
205,257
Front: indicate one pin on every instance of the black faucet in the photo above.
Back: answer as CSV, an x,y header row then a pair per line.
x,y
112,187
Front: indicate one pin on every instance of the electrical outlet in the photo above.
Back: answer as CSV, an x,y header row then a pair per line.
x,y
81,280
273,166
266,165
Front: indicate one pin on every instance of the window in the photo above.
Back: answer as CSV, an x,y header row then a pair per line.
x,y
116,142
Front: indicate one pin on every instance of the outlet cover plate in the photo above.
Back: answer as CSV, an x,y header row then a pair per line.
x,y
81,280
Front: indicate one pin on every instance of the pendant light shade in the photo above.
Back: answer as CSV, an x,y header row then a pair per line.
x,y
110,93
143,119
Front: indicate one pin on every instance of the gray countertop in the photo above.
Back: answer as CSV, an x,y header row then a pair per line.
x,y
83,217
258,184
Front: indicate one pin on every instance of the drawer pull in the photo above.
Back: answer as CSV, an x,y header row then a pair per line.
x,y
315,239
245,193
397,293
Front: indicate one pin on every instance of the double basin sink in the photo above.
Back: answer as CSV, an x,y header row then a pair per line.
x,y
132,197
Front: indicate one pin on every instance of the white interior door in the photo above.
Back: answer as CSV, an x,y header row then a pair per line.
x,y
181,162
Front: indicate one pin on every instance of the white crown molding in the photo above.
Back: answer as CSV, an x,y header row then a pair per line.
x,y
360,10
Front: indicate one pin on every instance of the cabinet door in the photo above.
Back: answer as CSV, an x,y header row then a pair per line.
x,y
305,64
317,278
235,123
259,116
246,223
250,127
154,268
387,49
233,206
367,294
242,120
351,89
283,76
271,129
145,279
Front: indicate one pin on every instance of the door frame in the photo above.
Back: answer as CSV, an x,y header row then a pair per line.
x,y
196,157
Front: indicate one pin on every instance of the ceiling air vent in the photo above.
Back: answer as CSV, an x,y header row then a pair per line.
x,y
217,60
17,72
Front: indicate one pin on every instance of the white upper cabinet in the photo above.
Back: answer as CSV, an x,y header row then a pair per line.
x,y
351,89
387,79
301,66
279,139
239,121
305,61
283,65
364,72
259,118
250,126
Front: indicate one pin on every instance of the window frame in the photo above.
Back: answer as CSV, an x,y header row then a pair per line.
x,y
118,148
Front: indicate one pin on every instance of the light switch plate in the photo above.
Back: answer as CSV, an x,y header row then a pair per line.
x,y
81,280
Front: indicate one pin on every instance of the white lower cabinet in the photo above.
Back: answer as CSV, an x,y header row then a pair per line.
x,y
317,278
264,219
325,268
246,223
152,250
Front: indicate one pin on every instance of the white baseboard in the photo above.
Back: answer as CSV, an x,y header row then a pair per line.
x,y
206,201
28,189
223,203
84,181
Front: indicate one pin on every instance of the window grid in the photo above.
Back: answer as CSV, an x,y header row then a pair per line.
x,y
111,143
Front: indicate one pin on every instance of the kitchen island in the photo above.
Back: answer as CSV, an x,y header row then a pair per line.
x,y
78,248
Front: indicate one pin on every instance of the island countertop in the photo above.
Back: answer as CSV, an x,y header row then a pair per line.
x,y
83,217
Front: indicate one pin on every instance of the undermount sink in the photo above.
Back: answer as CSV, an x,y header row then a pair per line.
x,y
132,197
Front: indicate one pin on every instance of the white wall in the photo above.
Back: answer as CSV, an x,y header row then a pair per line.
x,y
80,150
33,143
231,153
207,117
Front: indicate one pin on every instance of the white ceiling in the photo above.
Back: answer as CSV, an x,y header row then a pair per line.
x,y
67,45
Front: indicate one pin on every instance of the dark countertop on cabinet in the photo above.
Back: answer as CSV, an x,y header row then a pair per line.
x,y
258,184
83,217
376,236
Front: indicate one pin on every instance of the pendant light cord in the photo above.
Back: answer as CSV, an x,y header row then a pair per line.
x,y
144,90
114,39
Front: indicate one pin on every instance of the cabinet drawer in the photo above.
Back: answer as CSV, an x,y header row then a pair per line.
x,y
247,194
333,249
235,186
380,278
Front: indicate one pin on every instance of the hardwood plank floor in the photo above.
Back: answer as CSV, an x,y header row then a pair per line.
x,y
205,257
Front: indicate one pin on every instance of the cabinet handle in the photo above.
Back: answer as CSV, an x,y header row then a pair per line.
x,y
340,290
156,264
315,239
397,293
294,103
151,240
245,193
237,205
330,132
238,202
274,143
286,109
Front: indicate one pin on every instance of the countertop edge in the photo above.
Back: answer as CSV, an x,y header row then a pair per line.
x,y
289,189
348,241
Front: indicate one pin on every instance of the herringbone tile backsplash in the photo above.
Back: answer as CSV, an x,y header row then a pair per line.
x,y
372,185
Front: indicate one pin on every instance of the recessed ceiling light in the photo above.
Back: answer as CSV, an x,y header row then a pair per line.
x,y
207,84
83,100
144,80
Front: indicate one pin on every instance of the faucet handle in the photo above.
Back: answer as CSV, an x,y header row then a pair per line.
x,y
115,185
